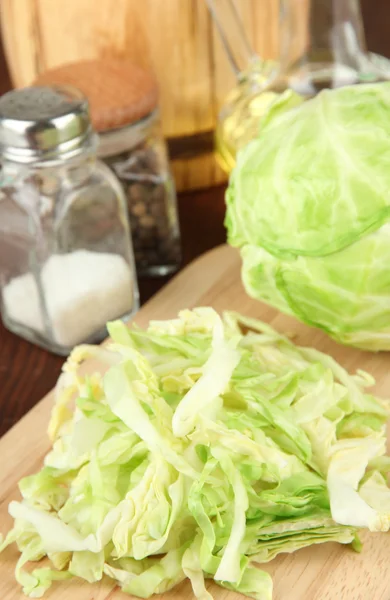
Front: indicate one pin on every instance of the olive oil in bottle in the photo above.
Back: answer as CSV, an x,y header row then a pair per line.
x,y
322,45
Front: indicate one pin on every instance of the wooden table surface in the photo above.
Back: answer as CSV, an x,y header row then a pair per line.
x,y
26,372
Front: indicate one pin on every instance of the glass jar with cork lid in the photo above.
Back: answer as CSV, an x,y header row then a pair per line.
x,y
66,261
124,111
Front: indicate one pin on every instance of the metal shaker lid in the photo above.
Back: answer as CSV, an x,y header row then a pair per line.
x,y
43,123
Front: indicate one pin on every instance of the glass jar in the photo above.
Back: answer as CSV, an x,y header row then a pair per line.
x,y
124,111
322,45
66,261
137,155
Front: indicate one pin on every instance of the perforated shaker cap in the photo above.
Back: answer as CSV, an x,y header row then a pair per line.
x,y
43,123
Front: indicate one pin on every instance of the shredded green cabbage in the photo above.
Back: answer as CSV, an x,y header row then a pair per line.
x,y
204,447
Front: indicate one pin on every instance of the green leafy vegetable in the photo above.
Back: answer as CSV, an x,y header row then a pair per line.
x,y
309,206
199,451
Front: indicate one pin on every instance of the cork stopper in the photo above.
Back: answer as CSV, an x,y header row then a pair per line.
x,y
119,92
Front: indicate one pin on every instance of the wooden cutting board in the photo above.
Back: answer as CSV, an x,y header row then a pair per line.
x,y
324,572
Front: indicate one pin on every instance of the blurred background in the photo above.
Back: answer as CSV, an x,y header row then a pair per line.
x,y
176,39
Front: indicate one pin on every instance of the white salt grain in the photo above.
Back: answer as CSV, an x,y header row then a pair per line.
x,y
83,290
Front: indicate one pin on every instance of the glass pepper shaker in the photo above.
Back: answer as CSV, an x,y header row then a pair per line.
x,y
124,111
66,260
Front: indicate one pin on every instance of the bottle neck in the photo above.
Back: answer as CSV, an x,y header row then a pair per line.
x,y
233,35
320,32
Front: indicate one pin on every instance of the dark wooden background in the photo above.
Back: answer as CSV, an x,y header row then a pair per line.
x,y
27,373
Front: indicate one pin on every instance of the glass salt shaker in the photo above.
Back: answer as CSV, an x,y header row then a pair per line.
x,y
124,111
66,260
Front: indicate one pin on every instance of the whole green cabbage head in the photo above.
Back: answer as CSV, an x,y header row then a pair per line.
x,y
309,206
